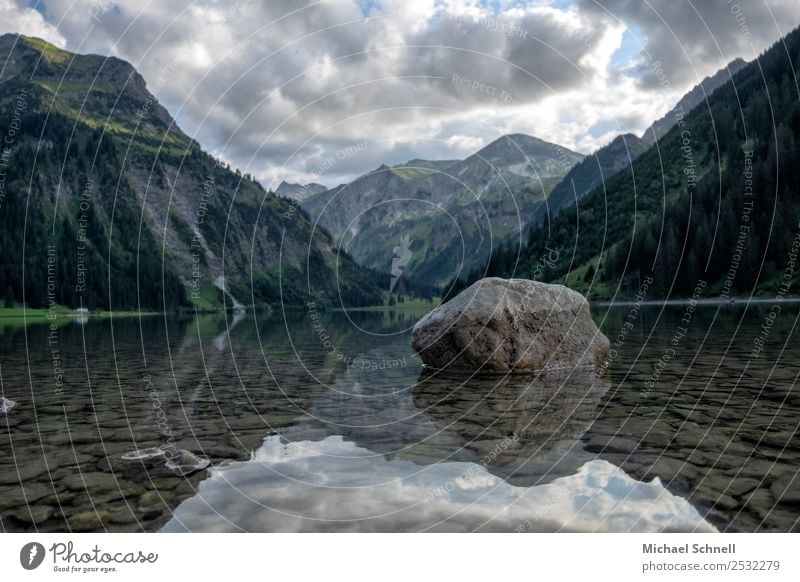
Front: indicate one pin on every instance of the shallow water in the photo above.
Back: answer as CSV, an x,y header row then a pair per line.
x,y
335,428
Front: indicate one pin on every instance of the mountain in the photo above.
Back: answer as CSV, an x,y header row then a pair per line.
x,y
692,99
298,192
106,203
594,170
714,211
515,161
430,219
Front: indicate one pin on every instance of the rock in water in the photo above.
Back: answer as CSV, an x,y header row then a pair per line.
x,y
6,405
511,324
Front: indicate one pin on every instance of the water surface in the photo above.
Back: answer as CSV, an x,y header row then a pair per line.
x,y
324,421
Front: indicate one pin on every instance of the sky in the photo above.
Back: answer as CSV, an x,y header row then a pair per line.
x,y
325,90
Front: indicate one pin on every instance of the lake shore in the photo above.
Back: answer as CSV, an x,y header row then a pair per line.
x,y
733,301
64,312
17,313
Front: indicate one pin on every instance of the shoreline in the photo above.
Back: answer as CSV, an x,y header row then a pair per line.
x,y
36,313
377,308
732,302
18,313
40,313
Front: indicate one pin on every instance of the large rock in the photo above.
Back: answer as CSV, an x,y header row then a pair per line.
x,y
511,324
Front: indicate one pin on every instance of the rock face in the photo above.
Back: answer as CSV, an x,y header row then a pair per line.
x,y
511,324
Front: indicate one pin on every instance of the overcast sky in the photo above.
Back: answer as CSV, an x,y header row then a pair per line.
x,y
323,91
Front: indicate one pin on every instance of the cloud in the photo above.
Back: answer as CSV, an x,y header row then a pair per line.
x,y
689,37
27,21
278,87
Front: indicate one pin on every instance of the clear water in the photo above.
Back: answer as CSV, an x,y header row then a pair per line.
x,y
336,428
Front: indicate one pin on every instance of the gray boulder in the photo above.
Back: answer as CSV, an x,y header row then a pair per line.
x,y
511,324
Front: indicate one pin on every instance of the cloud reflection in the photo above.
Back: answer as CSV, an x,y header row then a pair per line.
x,y
319,486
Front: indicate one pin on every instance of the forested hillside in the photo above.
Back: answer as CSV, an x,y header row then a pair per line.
x,y
716,200
105,203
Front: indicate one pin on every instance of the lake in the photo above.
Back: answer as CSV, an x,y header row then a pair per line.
x,y
326,421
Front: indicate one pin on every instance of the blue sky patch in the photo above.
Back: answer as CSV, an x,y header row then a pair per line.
x,y
632,44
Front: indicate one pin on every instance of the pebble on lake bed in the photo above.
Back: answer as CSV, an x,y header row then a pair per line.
x,y
144,454
6,405
185,463
181,462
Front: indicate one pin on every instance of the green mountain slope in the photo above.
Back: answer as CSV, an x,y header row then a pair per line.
x,y
715,206
593,171
618,155
105,203
696,96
